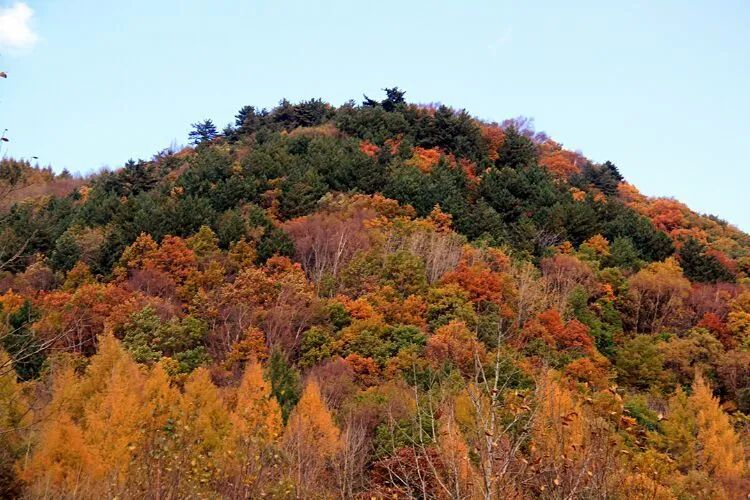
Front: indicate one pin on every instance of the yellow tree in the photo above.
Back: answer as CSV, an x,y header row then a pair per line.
x,y
657,292
203,426
256,425
454,455
257,416
113,410
679,431
14,409
204,244
311,439
595,248
137,254
738,320
79,275
558,429
15,416
62,463
720,451
153,474
572,447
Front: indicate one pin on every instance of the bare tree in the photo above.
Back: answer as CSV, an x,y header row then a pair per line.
x,y
349,463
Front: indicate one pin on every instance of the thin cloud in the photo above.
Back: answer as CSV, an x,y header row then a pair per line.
x,y
16,34
504,39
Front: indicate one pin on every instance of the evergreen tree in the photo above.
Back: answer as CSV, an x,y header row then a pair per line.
x,y
517,150
26,351
204,131
137,177
622,221
605,177
66,252
393,101
247,120
623,254
701,266
285,382
613,170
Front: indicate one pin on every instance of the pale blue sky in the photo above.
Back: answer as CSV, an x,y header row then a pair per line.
x,y
660,88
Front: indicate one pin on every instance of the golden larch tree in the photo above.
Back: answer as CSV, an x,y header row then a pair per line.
x,y
720,451
256,425
152,473
311,438
113,413
63,464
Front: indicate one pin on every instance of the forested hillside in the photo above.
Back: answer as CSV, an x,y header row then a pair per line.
x,y
378,300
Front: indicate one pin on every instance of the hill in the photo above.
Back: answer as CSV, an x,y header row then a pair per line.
x,y
375,299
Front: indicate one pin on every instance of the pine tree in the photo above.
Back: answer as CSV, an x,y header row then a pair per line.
x,y
516,151
27,354
247,120
613,170
623,254
202,132
285,382
394,99
605,177
698,265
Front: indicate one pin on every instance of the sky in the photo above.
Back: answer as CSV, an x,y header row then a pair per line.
x,y
660,88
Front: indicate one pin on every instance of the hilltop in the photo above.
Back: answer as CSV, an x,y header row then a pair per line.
x,y
375,299
503,184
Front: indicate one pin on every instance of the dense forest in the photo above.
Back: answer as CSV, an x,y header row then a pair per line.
x,y
377,300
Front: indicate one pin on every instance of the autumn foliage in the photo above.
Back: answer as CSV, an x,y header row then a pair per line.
x,y
384,300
